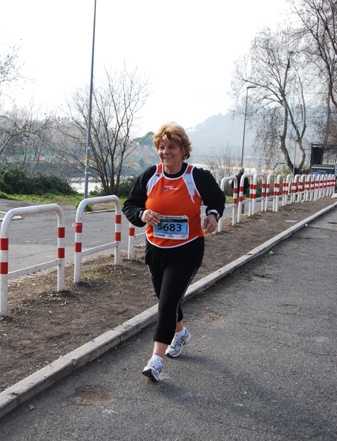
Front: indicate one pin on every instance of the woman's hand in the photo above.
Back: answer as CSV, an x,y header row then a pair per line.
x,y
150,217
210,224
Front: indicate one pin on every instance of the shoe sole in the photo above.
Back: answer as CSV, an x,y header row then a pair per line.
x,y
185,343
149,374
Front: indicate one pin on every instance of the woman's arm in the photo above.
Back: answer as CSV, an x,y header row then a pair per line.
x,y
135,203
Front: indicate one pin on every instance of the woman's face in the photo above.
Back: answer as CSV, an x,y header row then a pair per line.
x,y
171,156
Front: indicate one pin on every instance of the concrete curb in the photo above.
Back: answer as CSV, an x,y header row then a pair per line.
x,y
42,379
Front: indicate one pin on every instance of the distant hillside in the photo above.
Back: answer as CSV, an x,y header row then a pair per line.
x,y
213,136
218,133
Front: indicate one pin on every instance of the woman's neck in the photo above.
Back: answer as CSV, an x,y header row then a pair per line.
x,y
173,170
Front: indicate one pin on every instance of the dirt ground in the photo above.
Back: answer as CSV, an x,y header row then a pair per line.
x,y
42,324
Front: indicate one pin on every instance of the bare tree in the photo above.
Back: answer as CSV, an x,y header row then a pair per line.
x,y
221,165
9,71
9,66
25,140
25,137
114,111
318,24
278,103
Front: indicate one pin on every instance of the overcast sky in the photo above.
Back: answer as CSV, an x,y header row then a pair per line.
x,y
186,48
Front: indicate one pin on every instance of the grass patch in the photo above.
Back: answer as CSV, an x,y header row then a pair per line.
x,y
72,200
44,199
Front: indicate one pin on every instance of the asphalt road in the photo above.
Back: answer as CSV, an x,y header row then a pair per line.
x,y
261,366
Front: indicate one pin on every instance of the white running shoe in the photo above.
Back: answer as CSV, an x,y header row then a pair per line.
x,y
153,367
176,346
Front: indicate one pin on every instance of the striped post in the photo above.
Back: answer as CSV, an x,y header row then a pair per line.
x,y
4,242
276,195
252,196
264,202
285,193
240,198
77,250
307,187
267,194
118,237
61,255
131,240
269,178
293,190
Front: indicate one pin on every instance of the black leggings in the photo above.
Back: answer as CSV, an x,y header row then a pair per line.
x,y
172,271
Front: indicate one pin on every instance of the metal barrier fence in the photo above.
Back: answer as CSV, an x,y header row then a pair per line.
x,y
235,199
287,189
275,188
79,253
4,246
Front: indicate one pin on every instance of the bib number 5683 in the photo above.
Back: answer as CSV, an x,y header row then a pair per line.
x,y
172,227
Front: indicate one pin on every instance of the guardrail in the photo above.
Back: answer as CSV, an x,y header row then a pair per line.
x,y
302,188
286,189
4,246
79,253
252,193
235,199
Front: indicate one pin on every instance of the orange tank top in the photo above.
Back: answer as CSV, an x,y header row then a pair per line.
x,y
178,202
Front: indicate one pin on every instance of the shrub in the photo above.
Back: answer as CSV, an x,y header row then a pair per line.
x,y
87,208
125,187
16,181
3,195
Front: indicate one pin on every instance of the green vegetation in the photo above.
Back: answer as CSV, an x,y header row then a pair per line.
x,y
16,185
47,198
125,186
17,181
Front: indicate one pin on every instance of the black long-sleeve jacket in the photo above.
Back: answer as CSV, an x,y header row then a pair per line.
x,y
212,196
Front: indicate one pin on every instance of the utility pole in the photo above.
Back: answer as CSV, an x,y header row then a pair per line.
x,y
244,124
87,153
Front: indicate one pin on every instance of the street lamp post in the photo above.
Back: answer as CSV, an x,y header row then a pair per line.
x,y
86,162
244,124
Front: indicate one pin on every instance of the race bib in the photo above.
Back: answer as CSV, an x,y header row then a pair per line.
x,y
172,227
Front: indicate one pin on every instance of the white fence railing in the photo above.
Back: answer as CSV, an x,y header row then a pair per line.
x,y
275,189
78,225
4,246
